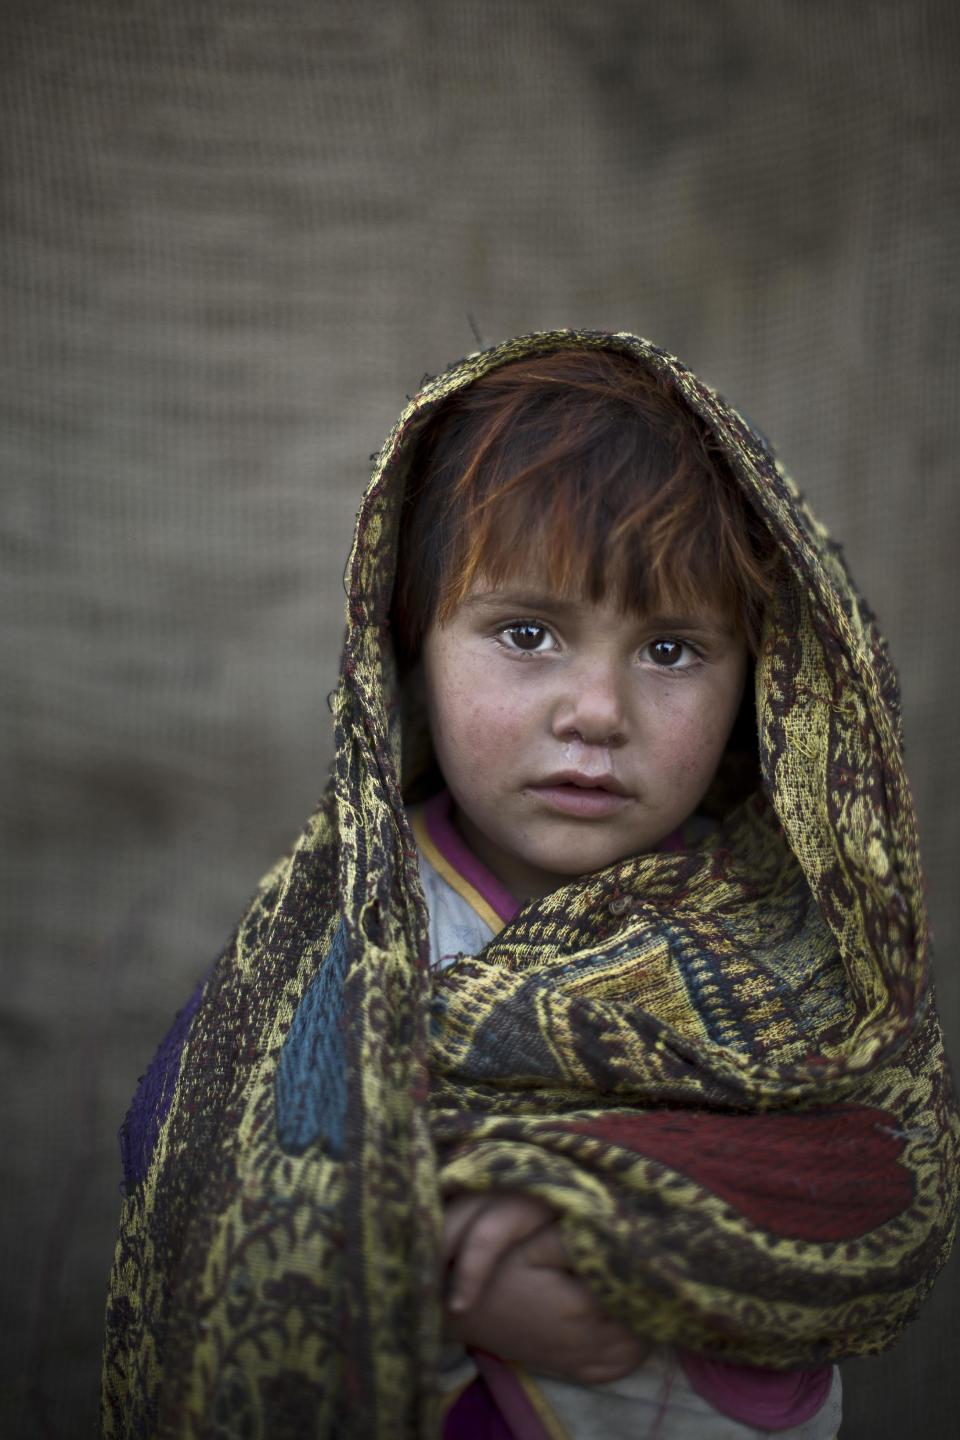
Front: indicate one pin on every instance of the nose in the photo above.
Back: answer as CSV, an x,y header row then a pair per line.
x,y
591,707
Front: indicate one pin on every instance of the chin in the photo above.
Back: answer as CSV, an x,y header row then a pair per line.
x,y
566,869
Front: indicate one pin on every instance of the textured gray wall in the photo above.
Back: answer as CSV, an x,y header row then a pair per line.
x,y
233,235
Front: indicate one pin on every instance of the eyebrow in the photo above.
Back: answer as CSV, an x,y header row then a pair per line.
x,y
689,622
531,600
522,599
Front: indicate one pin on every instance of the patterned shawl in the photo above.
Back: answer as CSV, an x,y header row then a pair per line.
x,y
723,1067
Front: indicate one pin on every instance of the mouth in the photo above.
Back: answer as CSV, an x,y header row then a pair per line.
x,y
589,797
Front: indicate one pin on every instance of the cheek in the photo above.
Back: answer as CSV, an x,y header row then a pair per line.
x,y
470,715
692,743
478,723
686,752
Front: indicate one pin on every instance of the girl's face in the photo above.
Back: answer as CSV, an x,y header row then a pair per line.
x,y
572,734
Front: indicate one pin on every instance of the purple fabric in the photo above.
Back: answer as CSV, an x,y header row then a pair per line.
x,y
767,1399
438,815
474,1416
511,1398
148,1109
495,1406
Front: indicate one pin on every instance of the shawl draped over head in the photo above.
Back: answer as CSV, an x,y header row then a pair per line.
x,y
721,1066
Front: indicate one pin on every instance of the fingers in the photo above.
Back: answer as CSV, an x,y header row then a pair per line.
x,y
548,1321
545,1247
485,1236
625,1353
458,1215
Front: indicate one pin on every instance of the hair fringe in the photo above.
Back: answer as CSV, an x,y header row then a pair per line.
x,y
592,467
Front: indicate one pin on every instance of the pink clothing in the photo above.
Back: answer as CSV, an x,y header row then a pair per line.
x,y
438,814
767,1399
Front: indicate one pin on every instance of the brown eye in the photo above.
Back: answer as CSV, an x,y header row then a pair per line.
x,y
666,652
527,637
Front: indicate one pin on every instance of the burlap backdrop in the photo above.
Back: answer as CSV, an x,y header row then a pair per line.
x,y
234,234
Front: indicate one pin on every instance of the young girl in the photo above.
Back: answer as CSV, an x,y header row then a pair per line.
x,y
590,1018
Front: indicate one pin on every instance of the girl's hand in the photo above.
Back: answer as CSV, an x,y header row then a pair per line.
x,y
534,1313
478,1230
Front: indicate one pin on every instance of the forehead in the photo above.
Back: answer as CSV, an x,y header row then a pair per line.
x,y
530,589
537,569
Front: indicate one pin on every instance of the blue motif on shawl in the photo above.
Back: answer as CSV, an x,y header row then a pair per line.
x,y
149,1106
311,1084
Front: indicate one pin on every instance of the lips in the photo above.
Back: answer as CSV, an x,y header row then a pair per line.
x,y
588,797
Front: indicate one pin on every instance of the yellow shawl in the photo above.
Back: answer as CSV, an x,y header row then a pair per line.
x,y
723,1067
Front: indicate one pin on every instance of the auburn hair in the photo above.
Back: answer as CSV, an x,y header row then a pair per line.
x,y
589,466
